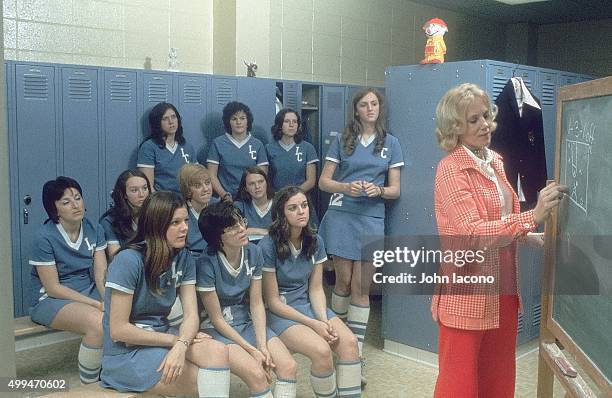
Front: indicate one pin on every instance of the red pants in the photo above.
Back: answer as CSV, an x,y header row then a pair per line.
x,y
479,364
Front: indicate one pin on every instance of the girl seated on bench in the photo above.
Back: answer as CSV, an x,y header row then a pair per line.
x,y
68,272
142,352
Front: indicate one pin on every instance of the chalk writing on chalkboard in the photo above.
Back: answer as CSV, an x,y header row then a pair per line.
x,y
579,139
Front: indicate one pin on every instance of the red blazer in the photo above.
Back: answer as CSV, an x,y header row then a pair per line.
x,y
467,205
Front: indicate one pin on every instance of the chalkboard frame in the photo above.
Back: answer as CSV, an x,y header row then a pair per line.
x,y
591,89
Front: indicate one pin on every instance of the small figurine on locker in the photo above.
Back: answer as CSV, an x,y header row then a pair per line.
x,y
251,68
435,48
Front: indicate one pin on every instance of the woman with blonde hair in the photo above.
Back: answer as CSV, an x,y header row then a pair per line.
x,y
476,206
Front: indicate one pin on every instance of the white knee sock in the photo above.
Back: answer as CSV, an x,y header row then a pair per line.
x,y
267,393
349,378
90,361
340,304
358,322
324,386
175,317
213,382
285,388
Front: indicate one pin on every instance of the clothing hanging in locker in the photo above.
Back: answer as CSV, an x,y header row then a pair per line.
x,y
519,139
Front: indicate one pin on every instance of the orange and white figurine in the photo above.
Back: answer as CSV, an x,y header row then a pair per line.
x,y
435,48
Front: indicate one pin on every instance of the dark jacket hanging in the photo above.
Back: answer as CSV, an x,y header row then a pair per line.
x,y
520,141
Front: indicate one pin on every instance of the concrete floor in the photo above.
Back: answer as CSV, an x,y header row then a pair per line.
x,y
388,375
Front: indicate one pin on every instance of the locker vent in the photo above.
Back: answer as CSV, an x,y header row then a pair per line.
x,y
537,314
79,88
548,93
499,82
192,92
157,92
521,324
35,86
335,100
291,95
120,90
223,92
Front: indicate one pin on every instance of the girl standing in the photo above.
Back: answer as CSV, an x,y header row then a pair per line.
x,y
362,169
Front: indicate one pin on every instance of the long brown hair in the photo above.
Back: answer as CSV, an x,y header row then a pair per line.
x,y
280,230
150,239
354,128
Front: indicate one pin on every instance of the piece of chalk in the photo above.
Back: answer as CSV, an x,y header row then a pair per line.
x,y
566,367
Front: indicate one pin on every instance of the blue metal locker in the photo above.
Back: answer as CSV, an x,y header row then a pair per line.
x,y
251,92
34,153
157,87
292,95
223,90
80,133
120,125
193,106
333,120
413,93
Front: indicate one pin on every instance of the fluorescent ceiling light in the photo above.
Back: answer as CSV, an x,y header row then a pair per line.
x,y
515,2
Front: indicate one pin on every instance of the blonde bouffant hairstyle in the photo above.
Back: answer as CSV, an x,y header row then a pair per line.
x,y
450,113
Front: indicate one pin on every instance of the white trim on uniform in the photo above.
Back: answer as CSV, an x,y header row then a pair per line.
x,y
99,248
212,161
39,263
399,164
119,287
313,161
172,149
205,289
256,277
286,147
268,269
147,166
321,261
234,272
64,234
189,282
332,159
237,143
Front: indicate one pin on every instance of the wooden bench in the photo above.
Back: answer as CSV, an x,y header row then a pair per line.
x,y
32,335
95,391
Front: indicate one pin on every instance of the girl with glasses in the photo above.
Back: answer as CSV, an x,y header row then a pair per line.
x,y
229,283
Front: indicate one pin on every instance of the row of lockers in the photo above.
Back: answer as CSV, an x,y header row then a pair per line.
x,y
87,122
413,93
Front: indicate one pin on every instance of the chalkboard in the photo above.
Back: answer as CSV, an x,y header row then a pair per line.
x,y
581,305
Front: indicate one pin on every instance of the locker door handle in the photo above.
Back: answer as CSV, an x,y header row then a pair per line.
x,y
26,216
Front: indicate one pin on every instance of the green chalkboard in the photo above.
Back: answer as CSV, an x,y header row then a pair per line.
x,y
582,301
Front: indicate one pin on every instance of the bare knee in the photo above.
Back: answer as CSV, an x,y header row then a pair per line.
x,y
255,377
211,354
348,348
286,367
94,333
321,356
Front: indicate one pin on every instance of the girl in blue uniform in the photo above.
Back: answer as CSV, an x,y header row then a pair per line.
x,y
141,351
229,282
65,296
362,168
119,222
196,187
254,199
162,154
293,256
234,151
293,161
